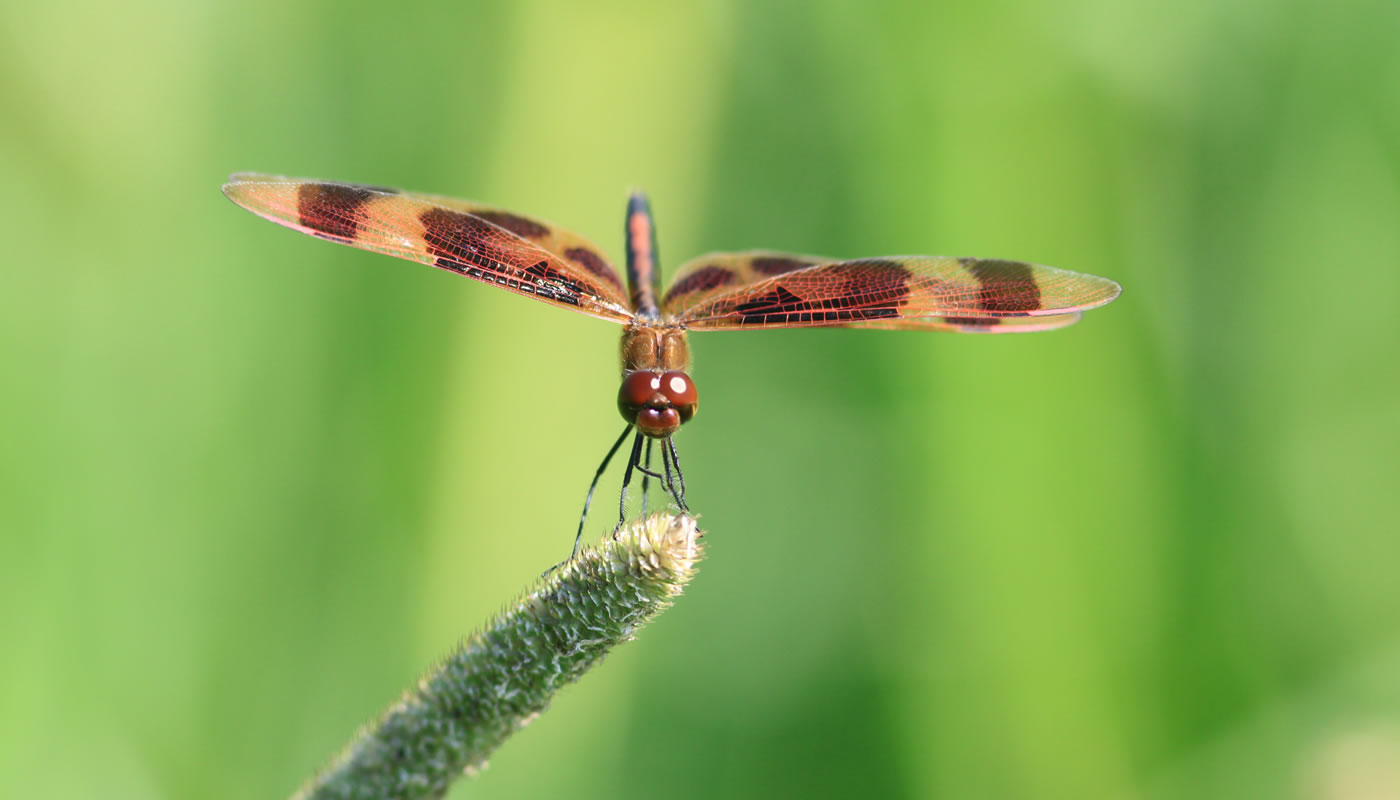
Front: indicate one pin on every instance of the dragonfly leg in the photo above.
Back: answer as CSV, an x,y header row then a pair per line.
x,y
666,465
680,477
627,479
646,475
588,500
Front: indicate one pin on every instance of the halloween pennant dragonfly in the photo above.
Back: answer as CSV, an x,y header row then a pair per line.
x,y
719,291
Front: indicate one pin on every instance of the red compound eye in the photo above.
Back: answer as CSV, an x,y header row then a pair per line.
x,y
680,390
637,392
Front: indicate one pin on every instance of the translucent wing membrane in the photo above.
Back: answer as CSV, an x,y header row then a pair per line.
x,y
515,253
975,324
715,274
916,292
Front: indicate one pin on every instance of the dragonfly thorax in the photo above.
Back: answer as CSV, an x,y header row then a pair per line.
x,y
655,347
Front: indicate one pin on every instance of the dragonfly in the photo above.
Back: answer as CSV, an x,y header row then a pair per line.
x,y
754,289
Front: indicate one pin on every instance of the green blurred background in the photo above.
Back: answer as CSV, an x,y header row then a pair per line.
x,y
253,484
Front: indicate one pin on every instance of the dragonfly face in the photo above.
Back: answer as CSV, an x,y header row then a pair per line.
x,y
658,403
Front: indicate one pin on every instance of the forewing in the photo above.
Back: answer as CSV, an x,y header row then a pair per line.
x,y
714,274
916,292
492,246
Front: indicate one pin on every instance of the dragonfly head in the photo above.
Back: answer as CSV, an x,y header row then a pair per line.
x,y
658,403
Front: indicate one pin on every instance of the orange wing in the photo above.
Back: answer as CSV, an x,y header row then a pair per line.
x,y
495,247
769,290
711,275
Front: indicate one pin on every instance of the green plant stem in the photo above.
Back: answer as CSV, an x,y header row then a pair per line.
x,y
500,679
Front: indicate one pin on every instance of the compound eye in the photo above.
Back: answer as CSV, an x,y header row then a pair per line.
x,y
636,393
680,390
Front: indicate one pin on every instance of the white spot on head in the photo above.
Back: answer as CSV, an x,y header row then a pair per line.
x,y
655,382
678,384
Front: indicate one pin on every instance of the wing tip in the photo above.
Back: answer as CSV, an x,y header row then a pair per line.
x,y
1114,290
233,190
238,183
1108,291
